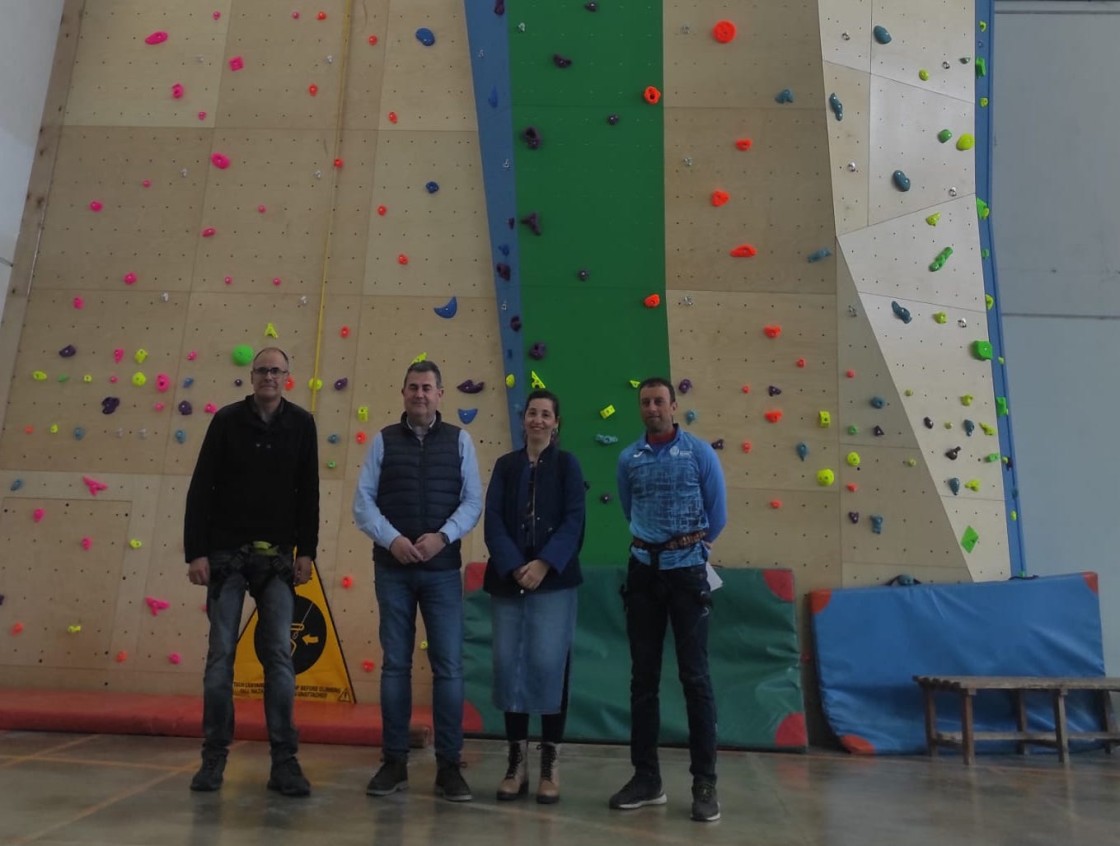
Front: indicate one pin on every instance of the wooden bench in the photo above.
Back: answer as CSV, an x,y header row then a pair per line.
x,y
1019,686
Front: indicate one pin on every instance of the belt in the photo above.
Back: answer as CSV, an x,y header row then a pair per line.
x,y
679,542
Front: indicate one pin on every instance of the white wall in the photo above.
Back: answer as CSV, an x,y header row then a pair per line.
x,y
28,34
1056,225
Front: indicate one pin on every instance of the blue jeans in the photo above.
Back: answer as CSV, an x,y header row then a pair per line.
x,y
233,573
439,594
654,598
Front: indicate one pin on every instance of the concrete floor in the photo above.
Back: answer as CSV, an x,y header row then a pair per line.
x,y
69,789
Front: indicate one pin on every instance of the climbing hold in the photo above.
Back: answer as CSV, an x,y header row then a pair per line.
x,y
982,350
743,144
185,408
15,485
775,504
466,415
652,301
836,106
74,628
969,427
876,524
774,391
744,251
314,383
940,317
591,6
878,431
982,209
952,454
38,514
532,137
690,417
139,379
79,433
934,219
236,63
38,375
927,422
360,438
720,198
746,446
606,411
535,381
881,35
511,380
877,402
825,477
109,405
717,443
177,91
613,119
538,350
724,32
470,386
431,187
78,303
515,323
802,450
800,363
68,351
157,37
966,399
604,498
425,36
17,628
853,517
981,66
532,220
819,255
966,142
824,419
363,413
955,485
561,61
973,485
901,312
684,386
853,459
209,232
583,275
784,96
901,180
219,160
940,260
1001,407
175,658
188,381
773,416
772,331
449,309
923,75
606,440
95,205
651,95
853,429
129,278
504,270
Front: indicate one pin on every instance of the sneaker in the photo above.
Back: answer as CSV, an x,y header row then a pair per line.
x,y
638,792
450,783
210,774
705,802
287,779
392,776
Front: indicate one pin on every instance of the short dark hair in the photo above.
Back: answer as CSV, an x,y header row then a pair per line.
x,y
541,393
272,349
657,382
424,366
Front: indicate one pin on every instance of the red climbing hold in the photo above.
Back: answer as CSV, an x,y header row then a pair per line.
x,y
652,95
773,416
744,251
652,301
719,198
312,89
772,331
743,144
775,504
724,32
402,259
800,362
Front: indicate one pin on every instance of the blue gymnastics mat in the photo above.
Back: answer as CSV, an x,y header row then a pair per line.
x,y
870,642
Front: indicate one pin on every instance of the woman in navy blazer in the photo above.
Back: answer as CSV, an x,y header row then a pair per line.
x,y
535,511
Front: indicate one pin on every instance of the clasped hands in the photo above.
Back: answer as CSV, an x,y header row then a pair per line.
x,y
426,547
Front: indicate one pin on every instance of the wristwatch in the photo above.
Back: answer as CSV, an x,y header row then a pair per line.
x,y
446,539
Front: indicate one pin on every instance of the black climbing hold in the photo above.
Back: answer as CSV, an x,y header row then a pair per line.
x,y
561,61
952,454
340,384
538,350
470,386
928,423
503,270
109,404
605,498
878,431
68,351
613,119
774,390
532,137
583,275
515,323
591,7
853,516
533,222
717,444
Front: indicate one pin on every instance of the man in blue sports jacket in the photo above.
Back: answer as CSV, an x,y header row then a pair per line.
x,y
672,492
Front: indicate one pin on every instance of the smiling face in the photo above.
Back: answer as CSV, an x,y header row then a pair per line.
x,y
270,369
421,397
657,409
540,422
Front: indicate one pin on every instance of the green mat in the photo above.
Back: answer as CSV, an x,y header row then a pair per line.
x,y
753,648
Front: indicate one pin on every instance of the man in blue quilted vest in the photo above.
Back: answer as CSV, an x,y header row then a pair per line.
x,y
418,495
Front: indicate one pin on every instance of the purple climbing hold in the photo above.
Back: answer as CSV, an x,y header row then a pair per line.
x,y
340,384
503,270
561,61
613,119
511,222
605,498
109,404
470,386
532,137
68,351
853,516
538,350
499,7
717,444
238,383
774,390
533,222
591,6
515,323
685,386
185,408
878,431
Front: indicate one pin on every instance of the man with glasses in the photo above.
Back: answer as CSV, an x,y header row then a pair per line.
x,y
252,505
418,494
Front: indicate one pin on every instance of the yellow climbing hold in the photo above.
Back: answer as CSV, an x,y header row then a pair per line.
x,y
135,543
419,358
825,477
966,399
39,376
87,378
606,412
989,301
853,459
966,142
941,317
634,383
270,331
934,219
824,419
74,628
363,413
973,484
53,429
139,379
923,75
315,384
988,428
535,381
511,380
141,355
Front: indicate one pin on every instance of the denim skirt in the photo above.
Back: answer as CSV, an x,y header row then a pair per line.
x,y
532,636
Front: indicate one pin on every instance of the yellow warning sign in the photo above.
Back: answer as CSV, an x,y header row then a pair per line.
x,y
320,668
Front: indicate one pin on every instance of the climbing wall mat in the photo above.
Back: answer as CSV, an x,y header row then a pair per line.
x,y
752,646
869,643
577,217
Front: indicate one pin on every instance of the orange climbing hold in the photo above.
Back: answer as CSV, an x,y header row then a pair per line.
x,y
652,95
744,143
772,331
719,198
744,251
652,301
724,32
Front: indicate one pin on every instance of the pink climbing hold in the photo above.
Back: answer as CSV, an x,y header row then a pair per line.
x,y
87,543
175,658
118,355
202,115
209,232
220,161
129,278
95,205
157,37
177,91
192,355
236,63
79,303
276,281
228,280
210,408
261,208
217,15
159,406
163,382
156,605
38,514
94,485
147,183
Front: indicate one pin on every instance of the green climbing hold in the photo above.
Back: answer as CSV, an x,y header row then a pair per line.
x,y
983,26
242,355
941,317
942,257
944,135
989,300
966,142
981,66
984,102
923,75
982,350
934,219
985,253
982,209
1001,407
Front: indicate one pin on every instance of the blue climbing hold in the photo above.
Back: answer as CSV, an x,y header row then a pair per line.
x,y
876,524
819,255
425,36
881,35
955,485
606,440
901,312
690,416
79,433
503,249
901,180
466,415
784,96
431,187
878,402
333,439
448,310
15,485
180,436
493,98
837,106
802,450
969,427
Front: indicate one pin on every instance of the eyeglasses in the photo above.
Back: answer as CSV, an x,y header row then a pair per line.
x,y
270,371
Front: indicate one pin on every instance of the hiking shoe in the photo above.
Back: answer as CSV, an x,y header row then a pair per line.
x,y
392,776
705,802
210,774
287,779
450,783
638,792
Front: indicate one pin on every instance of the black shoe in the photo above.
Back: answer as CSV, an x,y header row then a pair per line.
x,y
450,783
287,779
210,774
392,776
705,802
638,792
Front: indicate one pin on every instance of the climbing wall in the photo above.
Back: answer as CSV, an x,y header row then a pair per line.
x,y
755,201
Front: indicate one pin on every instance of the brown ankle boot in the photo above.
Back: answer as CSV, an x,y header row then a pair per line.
x,y
516,783
548,791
